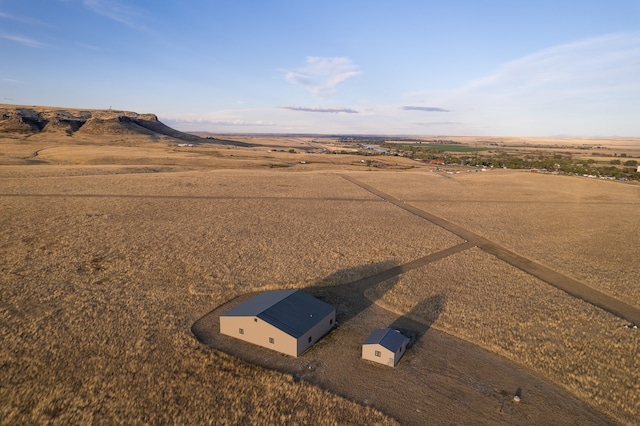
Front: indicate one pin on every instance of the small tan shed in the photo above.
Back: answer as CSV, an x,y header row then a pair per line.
x,y
287,321
385,346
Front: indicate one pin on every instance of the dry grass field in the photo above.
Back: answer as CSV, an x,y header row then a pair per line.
x,y
109,254
565,223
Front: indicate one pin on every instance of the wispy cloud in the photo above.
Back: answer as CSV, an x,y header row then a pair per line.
x,y
334,110
582,88
8,80
442,123
424,108
584,65
116,11
197,122
580,70
320,76
23,20
26,41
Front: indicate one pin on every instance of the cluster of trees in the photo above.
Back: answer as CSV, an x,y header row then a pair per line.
x,y
561,164
629,163
556,162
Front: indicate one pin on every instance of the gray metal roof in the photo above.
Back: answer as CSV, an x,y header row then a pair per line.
x,y
292,311
258,303
387,338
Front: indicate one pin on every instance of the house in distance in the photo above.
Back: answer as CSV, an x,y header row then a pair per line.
x,y
385,346
287,321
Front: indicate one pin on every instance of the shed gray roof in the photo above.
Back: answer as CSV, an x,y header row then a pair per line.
x,y
387,338
292,311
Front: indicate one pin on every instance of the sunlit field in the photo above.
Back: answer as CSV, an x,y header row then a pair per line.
x,y
108,256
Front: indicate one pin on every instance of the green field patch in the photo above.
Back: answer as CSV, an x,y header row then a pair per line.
x,y
459,148
448,148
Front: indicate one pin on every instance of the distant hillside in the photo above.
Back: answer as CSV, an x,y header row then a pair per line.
x,y
36,119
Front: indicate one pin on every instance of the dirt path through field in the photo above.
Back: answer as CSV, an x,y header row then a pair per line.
x,y
554,278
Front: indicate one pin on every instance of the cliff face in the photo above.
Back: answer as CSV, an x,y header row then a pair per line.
x,y
33,120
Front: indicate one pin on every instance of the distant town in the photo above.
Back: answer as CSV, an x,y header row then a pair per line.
x,y
488,154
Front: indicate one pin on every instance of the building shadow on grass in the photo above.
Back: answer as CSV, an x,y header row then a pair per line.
x,y
427,311
351,299
336,289
338,354
348,297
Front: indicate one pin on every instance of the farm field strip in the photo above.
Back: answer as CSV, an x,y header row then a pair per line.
x,y
556,279
493,202
185,197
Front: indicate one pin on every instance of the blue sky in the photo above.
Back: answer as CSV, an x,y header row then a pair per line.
x,y
491,67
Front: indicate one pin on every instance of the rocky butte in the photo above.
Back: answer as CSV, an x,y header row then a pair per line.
x,y
30,120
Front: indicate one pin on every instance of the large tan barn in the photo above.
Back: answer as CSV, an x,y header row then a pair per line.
x,y
385,346
287,321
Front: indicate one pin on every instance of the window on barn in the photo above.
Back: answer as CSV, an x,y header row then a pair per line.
x,y
271,340
255,320
309,339
378,353
241,330
331,321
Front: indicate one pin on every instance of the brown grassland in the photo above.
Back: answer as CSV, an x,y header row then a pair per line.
x,y
110,250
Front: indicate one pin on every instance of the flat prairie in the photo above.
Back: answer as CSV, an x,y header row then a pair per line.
x,y
563,222
111,255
